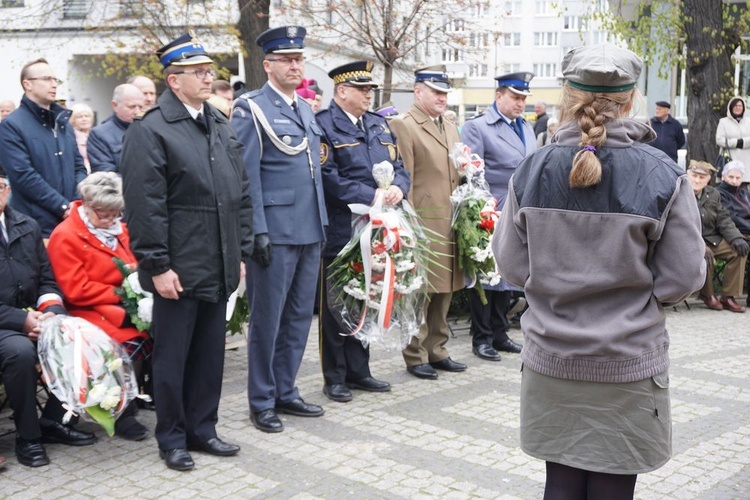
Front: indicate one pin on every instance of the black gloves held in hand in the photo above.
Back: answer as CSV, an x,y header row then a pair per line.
x,y
740,246
262,250
740,143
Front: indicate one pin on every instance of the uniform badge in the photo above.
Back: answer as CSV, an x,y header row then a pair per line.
x,y
323,152
287,140
291,31
392,152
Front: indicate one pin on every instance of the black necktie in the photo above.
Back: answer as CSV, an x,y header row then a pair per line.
x,y
201,122
295,108
360,125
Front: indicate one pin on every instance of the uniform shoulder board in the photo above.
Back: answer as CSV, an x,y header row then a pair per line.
x,y
251,95
477,116
140,115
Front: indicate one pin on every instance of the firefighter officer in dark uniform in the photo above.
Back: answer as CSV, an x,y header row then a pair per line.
x,y
354,140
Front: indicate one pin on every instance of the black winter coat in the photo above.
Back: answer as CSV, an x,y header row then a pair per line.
x,y
187,199
24,270
737,202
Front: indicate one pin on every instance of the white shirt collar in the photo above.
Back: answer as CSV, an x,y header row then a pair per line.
x,y
353,118
288,100
3,226
193,112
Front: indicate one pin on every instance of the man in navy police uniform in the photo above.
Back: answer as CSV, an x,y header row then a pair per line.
x,y
281,141
503,138
354,140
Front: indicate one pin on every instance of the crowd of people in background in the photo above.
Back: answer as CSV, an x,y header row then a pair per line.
x,y
219,184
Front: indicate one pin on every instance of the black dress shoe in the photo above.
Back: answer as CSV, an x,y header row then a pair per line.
x,y
299,408
266,421
485,351
177,459
449,365
424,371
507,345
369,384
130,429
337,392
55,432
215,446
31,453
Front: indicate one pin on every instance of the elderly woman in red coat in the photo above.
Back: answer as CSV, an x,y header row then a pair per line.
x,y
81,250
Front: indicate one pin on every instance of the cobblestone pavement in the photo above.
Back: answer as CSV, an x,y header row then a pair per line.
x,y
454,438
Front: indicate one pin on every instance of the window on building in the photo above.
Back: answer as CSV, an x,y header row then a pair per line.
x,y
511,39
476,70
544,7
508,68
545,38
574,23
452,55
479,40
545,70
454,25
603,37
11,3
481,9
512,8
75,9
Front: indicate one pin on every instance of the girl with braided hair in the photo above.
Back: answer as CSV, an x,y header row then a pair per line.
x,y
603,233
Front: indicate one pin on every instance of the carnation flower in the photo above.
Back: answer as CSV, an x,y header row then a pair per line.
x,y
135,285
110,402
145,309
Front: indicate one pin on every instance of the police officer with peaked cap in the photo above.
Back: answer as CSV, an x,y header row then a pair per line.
x,y
281,140
354,140
190,221
503,138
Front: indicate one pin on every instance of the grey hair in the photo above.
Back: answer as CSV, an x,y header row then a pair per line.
x,y
102,190
122,89
734,165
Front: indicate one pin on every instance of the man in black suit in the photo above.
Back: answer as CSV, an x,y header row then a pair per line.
x,y
26,282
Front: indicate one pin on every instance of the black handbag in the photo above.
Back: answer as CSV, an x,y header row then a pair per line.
x,y
721,160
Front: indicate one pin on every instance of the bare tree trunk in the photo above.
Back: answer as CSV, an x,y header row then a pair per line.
x,y
253,22
387,83
709,74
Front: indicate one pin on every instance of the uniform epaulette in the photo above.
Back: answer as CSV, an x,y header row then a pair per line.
x,y
252,94
140,115
477,116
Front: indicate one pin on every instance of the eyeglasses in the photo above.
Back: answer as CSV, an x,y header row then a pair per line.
x,y
364,90
287,60
48,79
200,74
106,215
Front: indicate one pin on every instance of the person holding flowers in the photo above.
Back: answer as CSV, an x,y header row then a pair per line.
x,y
425,141
28,296
353,141
502,138
82,250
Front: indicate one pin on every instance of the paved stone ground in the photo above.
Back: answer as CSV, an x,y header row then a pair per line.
x,y
454,438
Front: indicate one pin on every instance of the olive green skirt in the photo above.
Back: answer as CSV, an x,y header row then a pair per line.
x,y
598,427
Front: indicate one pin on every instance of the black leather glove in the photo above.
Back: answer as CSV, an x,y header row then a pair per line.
x,y
741,246
709,256
262,250
740,143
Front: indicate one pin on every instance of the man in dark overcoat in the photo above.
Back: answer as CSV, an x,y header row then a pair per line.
x,y
189,211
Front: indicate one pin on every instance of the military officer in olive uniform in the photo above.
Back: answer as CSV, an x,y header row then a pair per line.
x,y
354,140
425,141
282,142
503,138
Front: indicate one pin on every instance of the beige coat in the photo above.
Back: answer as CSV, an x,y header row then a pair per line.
x,y
425,154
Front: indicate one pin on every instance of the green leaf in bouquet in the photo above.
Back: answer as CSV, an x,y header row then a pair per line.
x,y
102,417
240,315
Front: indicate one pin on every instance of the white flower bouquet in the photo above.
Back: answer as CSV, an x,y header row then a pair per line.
x,y
376,287
87,370
474,219
137,302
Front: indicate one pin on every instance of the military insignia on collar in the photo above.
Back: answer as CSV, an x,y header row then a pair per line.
x,y
386,129
323,152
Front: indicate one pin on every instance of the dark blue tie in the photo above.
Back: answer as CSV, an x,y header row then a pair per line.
x,y
514,125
